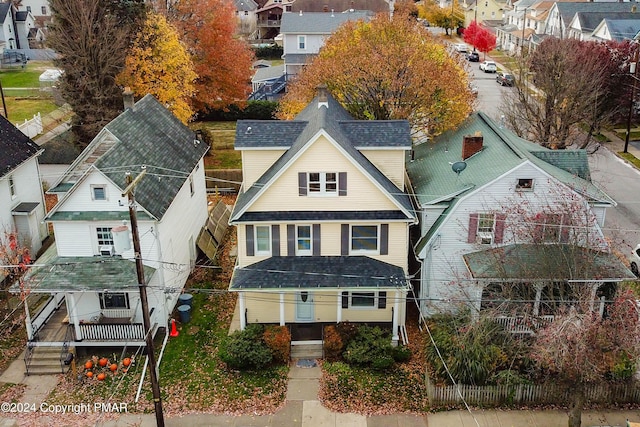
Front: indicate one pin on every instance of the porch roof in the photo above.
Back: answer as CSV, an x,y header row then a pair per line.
x,y
545,262
73,274
339,272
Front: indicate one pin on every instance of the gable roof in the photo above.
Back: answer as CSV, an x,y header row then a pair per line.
x,y
245,5
4,10
318,22
15,146
320,116
146,135
619,29
268,73
433,180
567,10
589,21
340,5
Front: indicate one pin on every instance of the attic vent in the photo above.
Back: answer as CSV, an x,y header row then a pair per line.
x,y
248,131
300,13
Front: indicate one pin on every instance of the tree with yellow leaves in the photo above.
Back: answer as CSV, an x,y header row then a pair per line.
x,y
160,65
448,18
387,69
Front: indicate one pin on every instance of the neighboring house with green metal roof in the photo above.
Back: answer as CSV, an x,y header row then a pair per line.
x,y
304,33
90,274
323,221
507,191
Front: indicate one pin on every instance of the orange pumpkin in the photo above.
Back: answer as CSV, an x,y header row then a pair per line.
x,y
126,361
103,362
88,365
113,367
90,374
101,376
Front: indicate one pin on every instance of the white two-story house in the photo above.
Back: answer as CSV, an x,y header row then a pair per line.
x,y
89,275
322,221
497,212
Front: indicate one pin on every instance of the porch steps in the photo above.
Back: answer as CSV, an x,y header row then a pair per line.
x,y
306,351
46,361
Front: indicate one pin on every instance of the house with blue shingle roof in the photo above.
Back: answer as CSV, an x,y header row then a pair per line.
x,y
88,277
504,219
322,221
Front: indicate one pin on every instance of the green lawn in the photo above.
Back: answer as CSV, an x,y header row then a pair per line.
x,y
222,155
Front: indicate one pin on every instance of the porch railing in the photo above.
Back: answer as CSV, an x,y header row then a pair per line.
x,y
119,313
112,331
523,324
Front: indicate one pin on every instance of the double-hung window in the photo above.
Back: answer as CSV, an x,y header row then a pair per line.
x,y
323,183
486,226
114,300
302,42
99,192
364,300
304,240
104,236
364,238
262,240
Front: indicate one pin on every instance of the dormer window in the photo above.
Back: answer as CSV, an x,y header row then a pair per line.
x,y
99,192
524,184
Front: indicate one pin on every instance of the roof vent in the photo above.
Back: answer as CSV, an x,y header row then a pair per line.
x,y
248,131
300,13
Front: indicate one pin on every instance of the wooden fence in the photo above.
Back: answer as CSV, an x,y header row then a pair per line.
x,y
223,180
522,394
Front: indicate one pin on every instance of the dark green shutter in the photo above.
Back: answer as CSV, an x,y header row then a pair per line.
x,y
275,240
344,239
384,239
291,239
316,239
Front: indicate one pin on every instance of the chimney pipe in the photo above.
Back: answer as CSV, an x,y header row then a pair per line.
x,y
127,98
471,144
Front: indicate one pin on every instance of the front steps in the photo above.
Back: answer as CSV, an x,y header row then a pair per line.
x,y
306,350
46,361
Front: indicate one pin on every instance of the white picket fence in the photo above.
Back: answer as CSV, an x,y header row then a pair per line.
x,y
523,394
31,127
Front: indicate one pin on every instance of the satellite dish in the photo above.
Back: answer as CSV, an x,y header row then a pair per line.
x,y
459,167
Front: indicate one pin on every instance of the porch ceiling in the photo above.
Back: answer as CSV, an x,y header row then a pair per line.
x,y
289,272
545,262
83,274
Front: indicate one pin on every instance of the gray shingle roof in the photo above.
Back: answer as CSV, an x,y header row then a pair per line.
x,y
268,73
569,9
318,22
149,134
623,29
246,5
340,5
4,10
590,20
298,58
306,124
15,147
289,272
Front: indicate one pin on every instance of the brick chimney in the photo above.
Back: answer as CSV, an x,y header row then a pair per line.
x,y
127,98
325,8
471,144
323,92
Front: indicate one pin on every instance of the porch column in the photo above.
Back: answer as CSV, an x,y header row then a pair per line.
x,y
396,310
594,289
27,319
281,308
73,315
243,319
339,309
536,304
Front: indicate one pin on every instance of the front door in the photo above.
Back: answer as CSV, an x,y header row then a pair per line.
x,y
304,306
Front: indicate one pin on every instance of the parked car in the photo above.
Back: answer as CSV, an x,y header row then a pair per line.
x,y
634,262
461,47
488,67
473,57
505,79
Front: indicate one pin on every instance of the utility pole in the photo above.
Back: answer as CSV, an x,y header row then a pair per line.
x,y
155,385
633,71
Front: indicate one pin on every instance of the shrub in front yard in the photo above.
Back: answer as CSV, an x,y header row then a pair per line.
x,y
370,347
278,339
246,349
333,344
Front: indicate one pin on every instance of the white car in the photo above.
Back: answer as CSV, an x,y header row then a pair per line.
x,y
635,261
488,67
461,47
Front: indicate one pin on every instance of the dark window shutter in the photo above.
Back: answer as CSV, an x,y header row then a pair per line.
x,y
316,240
384,239
344,239
302,183
342,184
498,233
382,299
275,240
291,239
473,228
249,239
564,230
345,299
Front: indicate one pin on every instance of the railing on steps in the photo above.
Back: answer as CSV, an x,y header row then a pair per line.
x,y
68,336
28,355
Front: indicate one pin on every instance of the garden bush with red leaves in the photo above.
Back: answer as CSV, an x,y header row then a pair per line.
x,y
278,339
333,344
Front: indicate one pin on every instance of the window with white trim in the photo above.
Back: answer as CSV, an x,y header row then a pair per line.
x,y
114,300
486,227
304,240
322,183
364,239
262,239
12,187
524,184
104,236
302,42
99,192
363,300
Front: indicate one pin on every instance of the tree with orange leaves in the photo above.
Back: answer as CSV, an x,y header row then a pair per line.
x,y
222,62
387,69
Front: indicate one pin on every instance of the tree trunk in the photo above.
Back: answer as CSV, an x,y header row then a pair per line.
x,y
575,409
